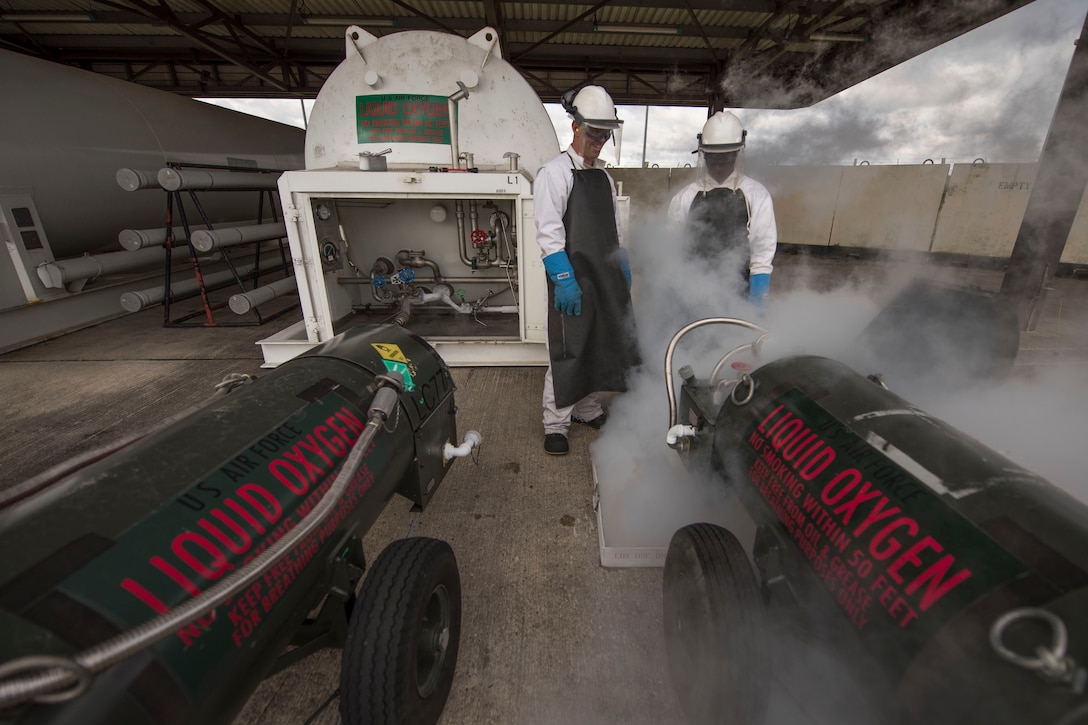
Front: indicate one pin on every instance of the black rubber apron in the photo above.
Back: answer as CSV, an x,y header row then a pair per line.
x,y
718,225
592,351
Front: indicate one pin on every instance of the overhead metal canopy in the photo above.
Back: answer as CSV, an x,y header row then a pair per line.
x,y
711,53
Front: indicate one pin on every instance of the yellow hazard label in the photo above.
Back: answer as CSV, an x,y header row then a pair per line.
x,y
390,352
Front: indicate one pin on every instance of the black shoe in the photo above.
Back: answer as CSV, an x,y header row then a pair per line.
x,y
555,444
597,423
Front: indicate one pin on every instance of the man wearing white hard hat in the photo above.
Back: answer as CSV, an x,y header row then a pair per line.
x,y
725,213
591,333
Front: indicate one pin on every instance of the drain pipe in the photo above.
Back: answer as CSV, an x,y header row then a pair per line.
x,y
472,440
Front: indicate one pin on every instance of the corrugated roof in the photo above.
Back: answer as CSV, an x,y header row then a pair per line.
x,y
790,54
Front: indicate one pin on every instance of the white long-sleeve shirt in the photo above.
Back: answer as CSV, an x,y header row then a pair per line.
x,y
762,229
551,189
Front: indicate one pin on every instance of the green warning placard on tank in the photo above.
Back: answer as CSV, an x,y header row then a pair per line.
x,y
402,118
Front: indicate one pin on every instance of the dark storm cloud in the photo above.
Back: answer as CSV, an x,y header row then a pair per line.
x,y
836,135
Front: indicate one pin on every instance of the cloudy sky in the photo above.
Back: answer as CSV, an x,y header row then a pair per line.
x,y
988,94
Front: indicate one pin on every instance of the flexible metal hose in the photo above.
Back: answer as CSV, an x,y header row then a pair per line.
x,y
671,350
55,673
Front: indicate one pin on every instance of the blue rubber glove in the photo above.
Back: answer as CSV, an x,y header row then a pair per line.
x,y
625,265
568,295
759,286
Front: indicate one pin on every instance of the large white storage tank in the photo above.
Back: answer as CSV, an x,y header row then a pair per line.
x,y
416,203
64,135
393,93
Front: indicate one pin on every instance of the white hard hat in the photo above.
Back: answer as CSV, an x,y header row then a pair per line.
x,y
592,106
721,134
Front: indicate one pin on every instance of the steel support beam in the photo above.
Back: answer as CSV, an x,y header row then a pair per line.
x,y
165,15
1055,196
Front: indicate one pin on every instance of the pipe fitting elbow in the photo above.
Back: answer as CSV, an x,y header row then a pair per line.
x,y
417,259
471,440
678,432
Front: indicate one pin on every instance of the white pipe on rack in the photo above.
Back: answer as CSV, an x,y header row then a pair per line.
x,y
173,179
58,274
136,179
142,299
134,239
243,302
205,240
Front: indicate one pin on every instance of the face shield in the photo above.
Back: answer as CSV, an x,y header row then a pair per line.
x,y
719,165
719,145
606,140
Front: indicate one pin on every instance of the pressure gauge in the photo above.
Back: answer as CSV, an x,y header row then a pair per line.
x,y
323,212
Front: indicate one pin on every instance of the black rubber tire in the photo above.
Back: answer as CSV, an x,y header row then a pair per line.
x,y
715,635
403,637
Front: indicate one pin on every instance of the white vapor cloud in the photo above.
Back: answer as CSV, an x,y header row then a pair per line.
x,y
987,94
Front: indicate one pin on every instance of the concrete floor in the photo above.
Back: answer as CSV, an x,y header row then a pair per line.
x,y
548,635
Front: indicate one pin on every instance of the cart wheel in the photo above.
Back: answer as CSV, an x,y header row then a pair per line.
x,y
714,633
401,648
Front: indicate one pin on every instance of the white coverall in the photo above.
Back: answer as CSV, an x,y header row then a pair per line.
x,y
762,229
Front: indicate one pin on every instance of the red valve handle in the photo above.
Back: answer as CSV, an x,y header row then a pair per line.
x,y
478,237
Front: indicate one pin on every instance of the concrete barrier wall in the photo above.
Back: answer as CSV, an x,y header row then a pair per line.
x,y
888,207
805,199
966,209
651,190
982,209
